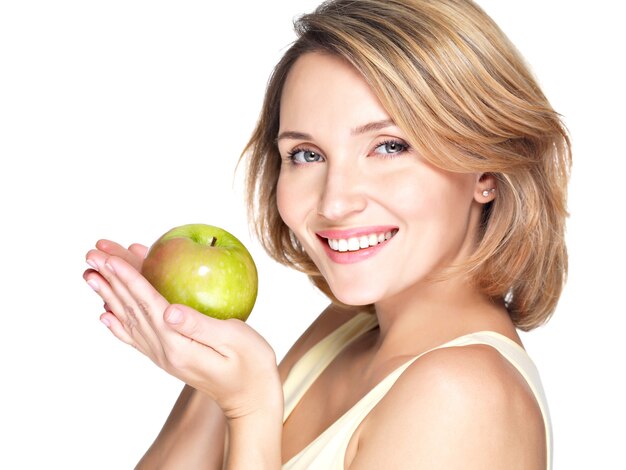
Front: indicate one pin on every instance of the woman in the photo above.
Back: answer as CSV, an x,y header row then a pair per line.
x,y
407,161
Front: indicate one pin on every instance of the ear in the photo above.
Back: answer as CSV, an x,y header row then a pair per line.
x,y
486,187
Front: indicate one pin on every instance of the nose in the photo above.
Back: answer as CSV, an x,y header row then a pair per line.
x,y
343,193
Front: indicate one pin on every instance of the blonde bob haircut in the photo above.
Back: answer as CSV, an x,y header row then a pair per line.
x,y
462,94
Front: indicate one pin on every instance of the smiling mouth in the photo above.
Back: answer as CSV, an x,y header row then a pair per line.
x,y
362,242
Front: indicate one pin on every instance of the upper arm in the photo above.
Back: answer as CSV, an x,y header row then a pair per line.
x,y
464,407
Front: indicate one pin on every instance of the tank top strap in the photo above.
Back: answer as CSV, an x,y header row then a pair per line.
x,y
327,451
308,368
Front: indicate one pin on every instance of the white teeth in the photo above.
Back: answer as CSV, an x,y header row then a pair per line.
x,y
364,241
353,244
358,243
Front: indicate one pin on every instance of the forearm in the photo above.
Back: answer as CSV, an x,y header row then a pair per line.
x,y
192,436
255,441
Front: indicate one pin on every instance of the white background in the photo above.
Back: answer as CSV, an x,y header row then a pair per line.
x,y
122,119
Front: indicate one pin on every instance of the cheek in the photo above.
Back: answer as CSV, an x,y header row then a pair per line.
x,y
293,199
411,194
434,200
283,201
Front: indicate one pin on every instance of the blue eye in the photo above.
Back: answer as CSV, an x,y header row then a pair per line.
x,y
304,156
391,147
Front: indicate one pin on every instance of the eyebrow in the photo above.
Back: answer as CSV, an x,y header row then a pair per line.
x,y
364,129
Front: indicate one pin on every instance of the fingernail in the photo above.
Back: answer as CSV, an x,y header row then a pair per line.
x,y
92,264
106,322
93,284
174,316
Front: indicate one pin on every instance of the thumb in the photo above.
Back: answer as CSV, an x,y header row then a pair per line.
x,y
190,323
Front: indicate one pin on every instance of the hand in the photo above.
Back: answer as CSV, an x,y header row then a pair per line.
x,y
226,359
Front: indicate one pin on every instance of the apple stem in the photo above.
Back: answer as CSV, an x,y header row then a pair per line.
x,y
213,241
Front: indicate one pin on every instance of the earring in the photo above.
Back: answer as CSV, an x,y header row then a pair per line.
x,y
486,192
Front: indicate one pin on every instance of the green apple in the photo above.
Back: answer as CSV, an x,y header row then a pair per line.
x,y
203,267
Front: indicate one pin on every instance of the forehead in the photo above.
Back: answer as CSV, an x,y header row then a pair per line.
x,y
323,90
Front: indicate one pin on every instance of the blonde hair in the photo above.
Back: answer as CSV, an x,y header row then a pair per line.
x,y
452,81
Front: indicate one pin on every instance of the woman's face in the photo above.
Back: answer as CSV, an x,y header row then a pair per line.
x,y
374,216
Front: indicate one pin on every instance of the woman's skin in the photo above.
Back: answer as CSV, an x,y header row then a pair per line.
x,y
225,360
346,172
340,183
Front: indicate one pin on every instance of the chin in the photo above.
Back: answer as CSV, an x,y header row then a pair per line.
x,y
349,295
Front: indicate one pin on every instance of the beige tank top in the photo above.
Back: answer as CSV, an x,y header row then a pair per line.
x,y
327,451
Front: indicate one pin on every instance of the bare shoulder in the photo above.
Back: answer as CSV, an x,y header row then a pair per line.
x,y
329,320
459,407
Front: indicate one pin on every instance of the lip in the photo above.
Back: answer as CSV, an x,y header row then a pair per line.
x,y
349,257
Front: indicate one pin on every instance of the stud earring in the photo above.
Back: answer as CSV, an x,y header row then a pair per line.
x,y
486,192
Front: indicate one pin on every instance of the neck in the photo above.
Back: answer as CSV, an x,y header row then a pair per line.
x,y
438,311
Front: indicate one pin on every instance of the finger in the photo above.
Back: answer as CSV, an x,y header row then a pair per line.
x,y
133,257
95,259
125,275
142,301
140,307
113,324
109,246
115,307
98,283
138,249
195,339
101,287
208,331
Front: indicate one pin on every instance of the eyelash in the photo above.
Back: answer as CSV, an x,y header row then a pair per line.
x,y
404,145
405,148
